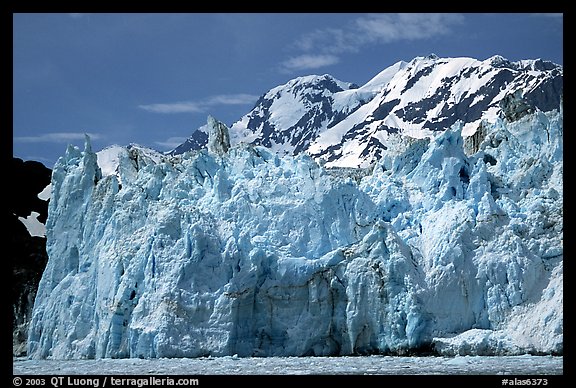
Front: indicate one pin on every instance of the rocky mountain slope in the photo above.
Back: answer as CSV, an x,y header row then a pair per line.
x,y
346,125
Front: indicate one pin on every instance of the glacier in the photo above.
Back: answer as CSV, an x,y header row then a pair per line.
x,y
449,245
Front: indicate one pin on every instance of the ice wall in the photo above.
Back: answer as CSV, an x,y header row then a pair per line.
x,y
240,251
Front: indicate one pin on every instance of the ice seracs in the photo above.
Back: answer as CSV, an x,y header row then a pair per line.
x,y
439,247
218,137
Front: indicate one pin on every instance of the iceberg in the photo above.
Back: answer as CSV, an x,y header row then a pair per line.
x,y
241,251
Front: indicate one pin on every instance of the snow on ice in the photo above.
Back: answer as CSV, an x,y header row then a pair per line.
x,y
244,252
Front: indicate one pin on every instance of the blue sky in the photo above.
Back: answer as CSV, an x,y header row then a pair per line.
x,y
152,79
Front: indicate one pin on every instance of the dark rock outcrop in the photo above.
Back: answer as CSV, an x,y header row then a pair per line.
x,y
27,254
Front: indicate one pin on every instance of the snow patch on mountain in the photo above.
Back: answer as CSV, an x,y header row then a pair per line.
x,y
34,227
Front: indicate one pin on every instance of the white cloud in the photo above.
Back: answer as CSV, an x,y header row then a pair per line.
x,y
308,61
232,99
56,137
379,28
385,28
171,142
200,106
367,30
175,107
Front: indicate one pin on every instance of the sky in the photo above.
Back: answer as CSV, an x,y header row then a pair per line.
x,y
153,78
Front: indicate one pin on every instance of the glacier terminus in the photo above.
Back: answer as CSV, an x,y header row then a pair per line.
x,y
449,243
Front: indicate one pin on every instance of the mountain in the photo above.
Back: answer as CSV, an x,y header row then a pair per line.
x,y
446,245
300,105
342,125
27,212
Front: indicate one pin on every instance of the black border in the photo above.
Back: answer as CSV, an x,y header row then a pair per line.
x,y
366,6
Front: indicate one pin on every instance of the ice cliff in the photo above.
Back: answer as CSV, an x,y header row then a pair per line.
x,y
447,244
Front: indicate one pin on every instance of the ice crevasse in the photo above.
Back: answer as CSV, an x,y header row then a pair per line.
x,y
448,245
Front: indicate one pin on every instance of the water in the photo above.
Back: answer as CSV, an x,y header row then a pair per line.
x,y
372,365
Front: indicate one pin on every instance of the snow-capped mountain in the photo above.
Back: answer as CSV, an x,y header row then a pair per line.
x,y
299,107
341,124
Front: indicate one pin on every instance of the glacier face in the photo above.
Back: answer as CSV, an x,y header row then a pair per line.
x,y
443,245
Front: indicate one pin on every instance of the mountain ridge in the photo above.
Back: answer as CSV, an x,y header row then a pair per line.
x,y
342,124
